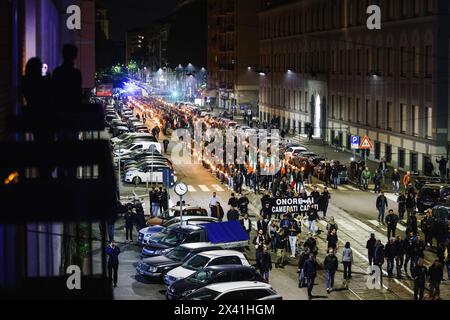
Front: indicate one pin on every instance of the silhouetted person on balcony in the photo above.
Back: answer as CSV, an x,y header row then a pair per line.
x,y
67,81
37,93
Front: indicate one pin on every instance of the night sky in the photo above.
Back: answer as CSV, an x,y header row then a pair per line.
x,y
129,14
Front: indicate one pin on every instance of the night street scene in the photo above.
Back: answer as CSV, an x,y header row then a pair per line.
x,y
244,150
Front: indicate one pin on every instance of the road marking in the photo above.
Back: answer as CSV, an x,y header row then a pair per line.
x,y
352,188
191,189
171,204
401,228
391,196
345,225
218,188
376,223
204,188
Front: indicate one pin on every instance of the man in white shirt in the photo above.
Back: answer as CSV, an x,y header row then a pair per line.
x,y
213,205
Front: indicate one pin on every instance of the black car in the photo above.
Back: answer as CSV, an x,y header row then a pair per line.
x,y
210,275
431,195
155,268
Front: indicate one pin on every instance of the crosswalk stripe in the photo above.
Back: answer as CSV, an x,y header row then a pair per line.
x,y
191,189
345,225
351,188
391,196
217,188
376,223
401,228
204,188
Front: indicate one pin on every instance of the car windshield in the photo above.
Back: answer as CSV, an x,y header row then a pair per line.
x,y
203,276
196,263
202,294
429,193
123,136
172,239
178,254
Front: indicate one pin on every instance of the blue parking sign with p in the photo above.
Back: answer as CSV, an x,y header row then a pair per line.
x,y
355,142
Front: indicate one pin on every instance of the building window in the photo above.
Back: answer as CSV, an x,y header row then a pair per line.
x,y
401,158
341,109
378,114
415,120
389,116
379,60
349,61
404,8
428,61
341,61
416,4
413,161
390,61
416,61
429,6
332,107
306,101
358,61
333,61
403,118
377,147
388,153
349,110
429,123
358,111
403,61
368,60
391,9
368,113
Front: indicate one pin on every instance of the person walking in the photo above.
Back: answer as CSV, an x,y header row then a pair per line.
x,y
401,200
281,244
426,225
335,176
377,180
442,169
370,246
406,180
366,176
332,225
391,223
310,271
409,244
330,265
293,231
395,182
419,276
347,260
113,251
265,264
312,218
332,240
233,214
213,205
390,253
243,204
129,220
435,272
382,205
324,202
166,145
378,258
399,256
411,223
259,241
410,204
304,256
247,224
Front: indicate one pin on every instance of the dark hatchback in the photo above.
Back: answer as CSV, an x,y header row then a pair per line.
x,y
431,195
211,275
155,268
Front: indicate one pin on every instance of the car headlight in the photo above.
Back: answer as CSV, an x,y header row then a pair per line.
x,y
147,236
152,269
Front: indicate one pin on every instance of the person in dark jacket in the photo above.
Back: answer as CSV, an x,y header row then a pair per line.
x,y
335,176
401,200
377,179
233,202
391,223
164,200
304,256
315,195
247,224
426,225
408,244
395,182
310,271
436,272
399,256
243,204
390,253
410,204
419,276
382,205
113,251
378,258
233,214
332,240
442,169
324,201
265,264
281,245
266,212
411,223
260,240
166,145
129,221
330,265
370,246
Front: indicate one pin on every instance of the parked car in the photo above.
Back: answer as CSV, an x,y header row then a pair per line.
x,y
431,195
133,135
145,234
173,212
293,151
203,260
211,275
155,268
150,174
227,235
241,290
134,145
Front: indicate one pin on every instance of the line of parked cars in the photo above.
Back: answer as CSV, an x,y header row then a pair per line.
x,y
136,151
201,259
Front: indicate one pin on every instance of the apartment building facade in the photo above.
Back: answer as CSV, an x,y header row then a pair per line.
x,y
233,53
328,70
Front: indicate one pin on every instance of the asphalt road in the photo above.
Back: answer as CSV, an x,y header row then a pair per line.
x,y
355,214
